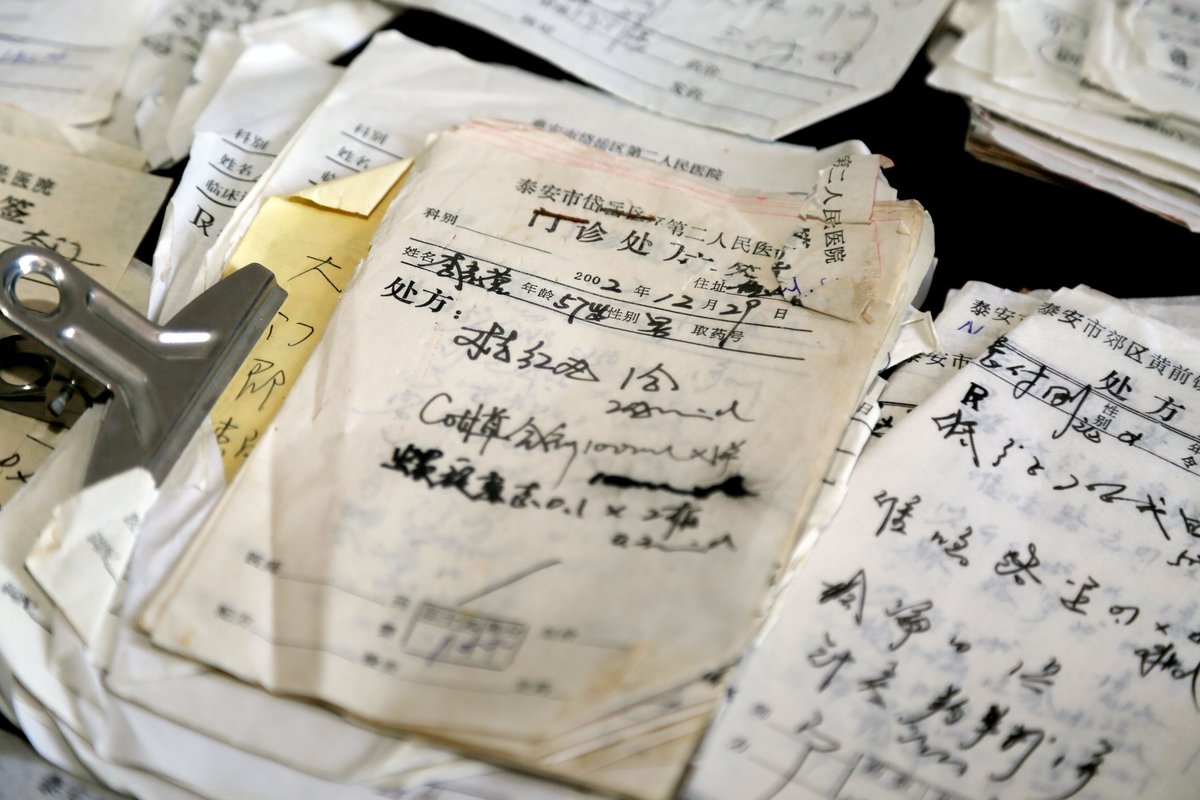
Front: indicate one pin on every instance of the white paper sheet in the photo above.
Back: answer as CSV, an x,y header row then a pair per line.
x,y
1148,51
1008,613
976,316
238,138
1181,312
80,557
65,59
971,320
74,754
161,68
90,213
321,33
966,14
1036,46
1023,64
758,67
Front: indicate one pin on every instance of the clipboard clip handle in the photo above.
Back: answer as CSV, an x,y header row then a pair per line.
x,y
36,383
80,345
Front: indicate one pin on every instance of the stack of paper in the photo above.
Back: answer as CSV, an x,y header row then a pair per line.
x,y
1102,93
566,469
397,92
461,580
188,48
617,373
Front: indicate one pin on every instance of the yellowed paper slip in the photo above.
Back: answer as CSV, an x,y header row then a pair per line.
x,y
312,241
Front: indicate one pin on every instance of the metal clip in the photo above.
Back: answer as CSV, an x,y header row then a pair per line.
x,y
160,382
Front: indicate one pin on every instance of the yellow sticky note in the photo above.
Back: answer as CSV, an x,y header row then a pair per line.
x,y
312,241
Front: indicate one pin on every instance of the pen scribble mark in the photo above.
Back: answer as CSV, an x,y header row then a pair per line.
x,y
733,486
541,212
616,212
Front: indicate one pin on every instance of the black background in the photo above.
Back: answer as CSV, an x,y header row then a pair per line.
x,y
991,224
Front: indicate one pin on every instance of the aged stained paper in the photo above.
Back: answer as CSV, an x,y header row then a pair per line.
x,y
396,92
645,752
519,403
1008,613
1144,180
